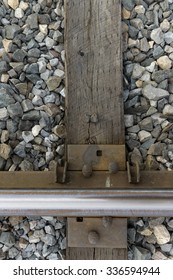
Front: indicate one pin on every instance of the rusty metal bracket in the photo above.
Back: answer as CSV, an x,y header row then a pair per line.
x,y
133,173
98,156
104,232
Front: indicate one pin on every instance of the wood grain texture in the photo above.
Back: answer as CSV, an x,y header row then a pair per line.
x,y
94,72
94,86
96,254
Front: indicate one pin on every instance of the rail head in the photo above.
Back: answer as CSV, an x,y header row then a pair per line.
x,y
117,203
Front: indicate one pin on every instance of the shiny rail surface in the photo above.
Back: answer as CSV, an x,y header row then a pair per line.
x,y
118,203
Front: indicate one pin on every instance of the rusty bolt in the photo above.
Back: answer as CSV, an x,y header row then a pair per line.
x,y
93,237
87,170
113,167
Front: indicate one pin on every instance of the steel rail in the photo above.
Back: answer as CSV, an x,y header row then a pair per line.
x,y
117,203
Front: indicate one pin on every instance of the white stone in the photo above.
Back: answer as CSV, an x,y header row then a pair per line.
x,y
168,110
62,92
44,76
42,66
49,42
168,49
13,4
151,67
43,28
162,234
19,13
4,136
157,36
63,55
39,37
153,103
36,130
23,5
3,113
59,73
164,62
145,77
4,78
165,25
7,44
139,9
128,120
153,93
144,136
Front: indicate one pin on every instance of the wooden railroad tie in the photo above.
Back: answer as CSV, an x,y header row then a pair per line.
x,y
95,160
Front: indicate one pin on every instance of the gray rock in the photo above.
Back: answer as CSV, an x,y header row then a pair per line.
x,y
7,238
3,67
5,98
27,105
33,78
3,255
15,110
144,136
140,253
25,165
11,31
13,252
50,43
34,52
32,21
53,83
63,244
138,70
168,110
128,4
153,93
32,68
166,248
20,150
159,256
134,129
168,36
146,124
157,36
157,149
32,115
22,88
27,136
128,120
49,229
158,51
49,239
19,55
161,75
131,102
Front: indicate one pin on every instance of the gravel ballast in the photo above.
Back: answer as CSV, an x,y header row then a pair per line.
x,y
32,97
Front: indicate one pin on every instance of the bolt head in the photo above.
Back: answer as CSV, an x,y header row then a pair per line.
x,y
93,237
113,167
87,170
